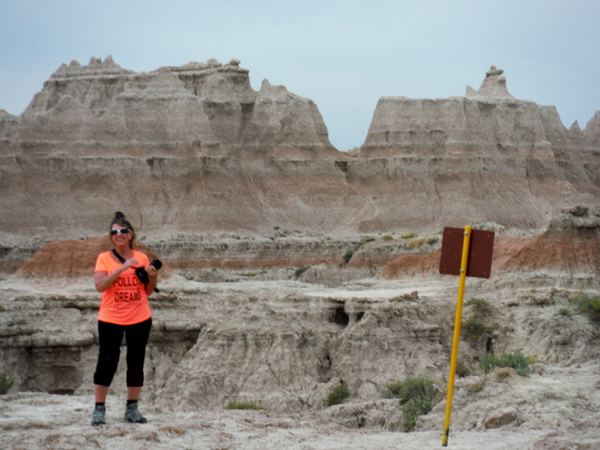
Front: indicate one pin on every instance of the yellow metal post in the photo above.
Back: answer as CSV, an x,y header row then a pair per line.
x,y
457,322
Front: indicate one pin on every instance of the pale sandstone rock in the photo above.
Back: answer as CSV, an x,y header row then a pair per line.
x,y
154,108
493,86
194,148
504,417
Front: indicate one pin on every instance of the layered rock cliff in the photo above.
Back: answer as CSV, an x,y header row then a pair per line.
x,y
486,156
199,107
195,149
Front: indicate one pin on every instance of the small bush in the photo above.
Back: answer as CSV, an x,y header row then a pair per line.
x,y
367,239
387,237
589,304
564,312
413,245
5,383
300,270
249,274
515,360
476,385
501,373
432,241
338,394
417,396
348,255
243,405
409,236
475,328
461,370
482,307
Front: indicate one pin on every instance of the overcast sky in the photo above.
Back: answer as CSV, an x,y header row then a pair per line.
x,y
344,55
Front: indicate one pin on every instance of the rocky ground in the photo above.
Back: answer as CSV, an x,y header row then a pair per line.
x,y
62,422
285,343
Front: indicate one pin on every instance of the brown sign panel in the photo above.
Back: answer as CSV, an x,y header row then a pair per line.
x,y
481,249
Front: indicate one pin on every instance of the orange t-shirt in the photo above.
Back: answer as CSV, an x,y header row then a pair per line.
x,y
126,301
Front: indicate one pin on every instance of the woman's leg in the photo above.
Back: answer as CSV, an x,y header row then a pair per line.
x,y
100,393
133,392
109,338
137,338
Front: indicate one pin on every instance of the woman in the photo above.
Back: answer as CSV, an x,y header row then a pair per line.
x,y
124,309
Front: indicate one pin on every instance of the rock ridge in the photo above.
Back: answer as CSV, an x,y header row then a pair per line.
x,y
194,147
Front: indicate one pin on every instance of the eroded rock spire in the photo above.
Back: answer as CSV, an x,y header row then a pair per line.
x,y
493,86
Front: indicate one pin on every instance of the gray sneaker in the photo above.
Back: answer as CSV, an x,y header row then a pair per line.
x,y
133,415
98,416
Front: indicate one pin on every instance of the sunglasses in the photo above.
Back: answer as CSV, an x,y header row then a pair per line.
x,y
123,230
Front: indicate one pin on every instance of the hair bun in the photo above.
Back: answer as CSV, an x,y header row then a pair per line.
x,y
119,215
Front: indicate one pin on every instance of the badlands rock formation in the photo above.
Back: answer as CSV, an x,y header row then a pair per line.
x,y
195,149
281,285
268,335
486,156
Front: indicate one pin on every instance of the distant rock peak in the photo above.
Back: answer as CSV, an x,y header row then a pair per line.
x,y
95,67
493,86
494,71
209,66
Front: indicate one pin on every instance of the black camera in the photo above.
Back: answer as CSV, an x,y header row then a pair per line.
x,y
143,275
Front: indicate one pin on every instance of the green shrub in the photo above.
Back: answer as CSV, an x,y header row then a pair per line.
x,y
387,237
432,241
249,274
482,307
515,360
338,394
409,236
367,239
242,405
589,304
300,270
5,383
475,328
417,397
348,255
564,312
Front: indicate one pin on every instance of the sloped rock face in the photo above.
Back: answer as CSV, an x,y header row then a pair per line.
x,y
569,249
72,259
195,149
484,155
207,106
8,123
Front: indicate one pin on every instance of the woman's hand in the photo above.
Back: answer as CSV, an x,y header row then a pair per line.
x,y
130,263
103,280
152,274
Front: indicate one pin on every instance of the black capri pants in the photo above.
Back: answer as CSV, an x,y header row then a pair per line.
x,y
110,337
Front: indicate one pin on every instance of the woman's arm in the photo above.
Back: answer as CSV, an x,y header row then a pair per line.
x,y
104,280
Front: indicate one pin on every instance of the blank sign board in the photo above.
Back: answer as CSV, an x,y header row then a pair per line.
x,y
481,248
